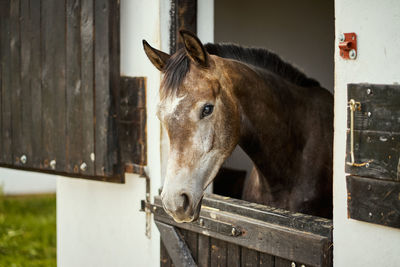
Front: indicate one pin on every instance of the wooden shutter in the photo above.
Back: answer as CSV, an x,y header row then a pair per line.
x,y
60,89
374,184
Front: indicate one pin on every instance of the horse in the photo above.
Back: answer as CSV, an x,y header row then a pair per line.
x,y
216,96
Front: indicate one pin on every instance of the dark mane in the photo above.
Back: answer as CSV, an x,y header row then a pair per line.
x,y
262,58
179,65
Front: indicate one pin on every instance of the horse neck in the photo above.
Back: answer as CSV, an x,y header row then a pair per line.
x,y
270,133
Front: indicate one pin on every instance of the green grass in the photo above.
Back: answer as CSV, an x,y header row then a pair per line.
x,y
27,231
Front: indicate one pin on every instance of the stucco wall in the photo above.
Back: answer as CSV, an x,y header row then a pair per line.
x,y
377,25
23,182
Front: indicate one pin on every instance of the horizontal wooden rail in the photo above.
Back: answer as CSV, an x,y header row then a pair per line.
x,y
293,236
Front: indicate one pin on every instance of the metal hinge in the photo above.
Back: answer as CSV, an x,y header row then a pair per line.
x,y
144,205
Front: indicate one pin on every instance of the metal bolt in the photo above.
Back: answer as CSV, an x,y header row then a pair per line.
x,y
201,222
369,114
369,91
352,54
370,215
234,231
53,164
154,208
23,159
293,264
341,37
83,166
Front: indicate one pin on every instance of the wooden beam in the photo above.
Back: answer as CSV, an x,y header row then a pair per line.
x,y
175,245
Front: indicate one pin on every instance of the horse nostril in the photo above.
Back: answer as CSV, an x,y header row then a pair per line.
x,y
186,201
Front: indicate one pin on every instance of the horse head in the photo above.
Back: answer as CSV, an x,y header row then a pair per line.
x,y
201,116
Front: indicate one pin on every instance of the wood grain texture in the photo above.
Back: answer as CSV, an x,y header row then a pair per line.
x,y
27,54
376,131
60,89
74,97
53,84
233,255
132,120
36,160
381,150
15,83
175,245
106,142
183,16
6,156
204,251
267,260
380,106
87,86
249,258
104,161
218,253
274,237
165,260
374,201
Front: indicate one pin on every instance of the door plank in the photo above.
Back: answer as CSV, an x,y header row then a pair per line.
x,y
175,245
218,253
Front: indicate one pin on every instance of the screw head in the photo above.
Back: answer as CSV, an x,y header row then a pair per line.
x,y
234,231
83,166
293,264
370,214
341,37
352,54
369,114
23,159
53,164
92,157
201,222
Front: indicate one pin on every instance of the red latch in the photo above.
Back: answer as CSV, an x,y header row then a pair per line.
x,y
348,45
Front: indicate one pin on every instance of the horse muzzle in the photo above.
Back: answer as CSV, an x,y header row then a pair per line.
x,y
181,206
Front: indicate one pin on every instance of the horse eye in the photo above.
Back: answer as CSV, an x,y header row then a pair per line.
x,y
207,110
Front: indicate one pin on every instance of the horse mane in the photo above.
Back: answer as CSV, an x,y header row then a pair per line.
x,y
262,58
179,65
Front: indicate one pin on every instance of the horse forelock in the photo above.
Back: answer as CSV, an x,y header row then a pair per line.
x,y
175,71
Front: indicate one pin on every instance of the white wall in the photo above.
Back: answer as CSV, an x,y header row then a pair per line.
x,y
99,224
377,25
24,182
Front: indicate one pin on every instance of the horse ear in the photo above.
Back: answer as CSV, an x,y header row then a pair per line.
x,y
157,57
194,48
